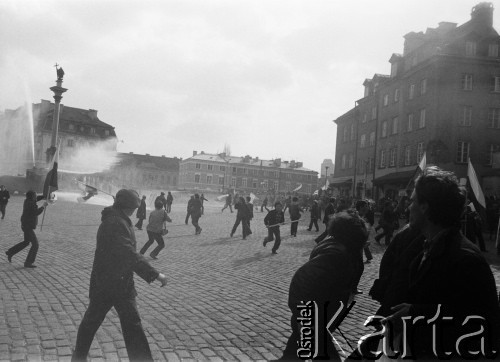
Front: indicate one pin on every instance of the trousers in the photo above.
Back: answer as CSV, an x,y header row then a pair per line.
x,y
151,239
133,333
29,238
273,233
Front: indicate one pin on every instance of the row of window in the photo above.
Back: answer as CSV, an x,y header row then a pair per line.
x,y
465,117
255,172
471,49
84,129
155,178
389,158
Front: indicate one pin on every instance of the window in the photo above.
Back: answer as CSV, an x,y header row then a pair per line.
x,y
197,166
254,183
264,184
411,91
197,178
374,113
222,168
106,132
470,48
372,138
465,116
351,160
209,179
386,100
245,171
343,161
221,180
493,50
409,125
423,86
396,95
382,158
394,128
71,143
353,135
392,157
421,121
420,151
494,118
288,186
407,155
462,151
210,167
384,129
362,141
71,127
495,84
365,118
92,130
244,182
233,181
489,153
466,81
234,169
346,134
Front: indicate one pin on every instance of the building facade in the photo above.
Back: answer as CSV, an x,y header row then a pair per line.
x,y
219,172
442,98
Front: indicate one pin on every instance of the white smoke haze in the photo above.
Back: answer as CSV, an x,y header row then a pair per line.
x,y
89,158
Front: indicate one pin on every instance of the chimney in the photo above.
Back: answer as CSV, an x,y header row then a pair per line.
x,y
92,113
482,13
195,153
162,155
147,154
202,152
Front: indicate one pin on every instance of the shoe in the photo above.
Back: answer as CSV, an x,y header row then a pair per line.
x,y
317,231
308,229
231,235
368,261
199,231
153,256
265,242
274,252
29,266
9,257
357,291
244,238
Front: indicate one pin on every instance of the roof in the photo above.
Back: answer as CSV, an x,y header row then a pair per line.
x,y
78,115
252,161
148,161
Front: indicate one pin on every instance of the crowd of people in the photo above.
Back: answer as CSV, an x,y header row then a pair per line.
x,y
430,268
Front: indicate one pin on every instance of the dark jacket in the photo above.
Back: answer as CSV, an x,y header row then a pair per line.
x,y
4,197
243,212
116,258
391,288
141,211
162,199
29,218
294,211
274,217
330,210
170,199
195,208
456,276
250,210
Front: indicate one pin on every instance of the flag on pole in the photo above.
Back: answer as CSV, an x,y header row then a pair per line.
x,y
50,184
423,162
253,197
474,184
297,188
315,193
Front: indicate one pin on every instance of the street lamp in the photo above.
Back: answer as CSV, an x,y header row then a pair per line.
x,y
326,177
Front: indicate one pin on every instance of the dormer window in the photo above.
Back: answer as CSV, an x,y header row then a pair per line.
x,y
470,48
493,50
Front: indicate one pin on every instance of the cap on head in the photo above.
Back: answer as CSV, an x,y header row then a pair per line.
x,y
162,193
127,199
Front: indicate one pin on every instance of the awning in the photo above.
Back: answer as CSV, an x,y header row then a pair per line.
x,y
341,181
402,177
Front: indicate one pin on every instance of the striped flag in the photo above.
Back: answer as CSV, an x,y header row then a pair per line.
x,y
474,184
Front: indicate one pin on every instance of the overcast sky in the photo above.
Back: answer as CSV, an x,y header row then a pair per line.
x,y
265,77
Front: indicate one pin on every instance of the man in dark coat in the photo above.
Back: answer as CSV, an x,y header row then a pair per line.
x,y
112,280
387,222
314,216
188,209
448,279
170,200
294,210
326,279
162,199
141,213
272,221
329,211
250,212
242,217
29,221
229,202
4,199
195,210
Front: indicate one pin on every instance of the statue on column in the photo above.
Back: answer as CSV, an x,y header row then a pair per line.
x,y
60,72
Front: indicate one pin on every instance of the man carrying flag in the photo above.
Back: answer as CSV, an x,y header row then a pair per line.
x,y
50,185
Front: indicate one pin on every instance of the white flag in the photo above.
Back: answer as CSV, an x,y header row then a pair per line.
x,y
423,162
297,188
474,185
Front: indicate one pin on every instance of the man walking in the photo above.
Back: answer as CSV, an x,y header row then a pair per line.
x,y
112,280
29,221
162,199
329,211
188,211
314,216
272,221
141,213
229,203
195,212
4,199
170,200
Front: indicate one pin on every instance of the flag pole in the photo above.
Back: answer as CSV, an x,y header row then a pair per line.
x,y
44,209
498,231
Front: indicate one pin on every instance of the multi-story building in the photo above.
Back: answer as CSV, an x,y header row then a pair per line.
x,y
220,172
442,97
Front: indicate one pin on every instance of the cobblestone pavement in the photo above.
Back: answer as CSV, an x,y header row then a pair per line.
x,y
226,298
